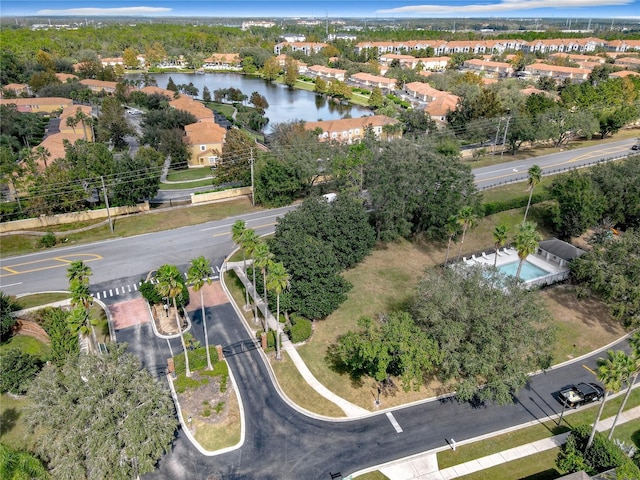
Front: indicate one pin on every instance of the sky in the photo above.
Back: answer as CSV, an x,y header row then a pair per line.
x,y
629,9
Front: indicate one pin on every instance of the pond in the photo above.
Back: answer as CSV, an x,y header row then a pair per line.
x,y
285,104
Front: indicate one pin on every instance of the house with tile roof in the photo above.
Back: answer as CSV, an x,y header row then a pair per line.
x,y
38,105
489,68
204,140
99,86
352,130
223,61
16,88
422,92
188,104
441,106
559,73
81,128
66,77
366,80
152,89
326,73
306,47
628,62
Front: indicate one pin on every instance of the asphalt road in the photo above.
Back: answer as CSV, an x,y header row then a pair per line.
x,y
282,443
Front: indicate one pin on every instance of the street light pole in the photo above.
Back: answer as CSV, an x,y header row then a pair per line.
x,y
253,187
106,201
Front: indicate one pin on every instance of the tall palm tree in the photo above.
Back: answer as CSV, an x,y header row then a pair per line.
x,y
170,285
452,228
525,243
262,258
499,239
249,240
42,154
72,122
634,371
467,219
278,281
611,373
18,465
237,234
82,118
198,274
78,274
78,270
535,177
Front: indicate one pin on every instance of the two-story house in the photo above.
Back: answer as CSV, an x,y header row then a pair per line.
x,y
352,130
204,140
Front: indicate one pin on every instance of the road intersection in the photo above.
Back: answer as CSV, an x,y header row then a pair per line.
x,y
281,441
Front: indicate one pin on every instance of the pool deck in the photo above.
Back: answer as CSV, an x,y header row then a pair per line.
x,y
506,256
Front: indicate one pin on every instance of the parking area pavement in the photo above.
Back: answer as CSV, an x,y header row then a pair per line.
x,y
129,313
213,295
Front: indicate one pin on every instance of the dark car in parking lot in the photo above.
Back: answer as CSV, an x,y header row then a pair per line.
x,y
580,394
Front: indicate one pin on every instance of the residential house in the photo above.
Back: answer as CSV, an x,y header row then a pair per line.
x,y
152,89
99,86
38,105
409,61
489,68
326,73
66,77
112,61
366,80
578,58
306,47
624,73
423,92
81,128
628,63
440,106
352,130
223,61
559,73
54,144
17,89
195,108
622,46
204,140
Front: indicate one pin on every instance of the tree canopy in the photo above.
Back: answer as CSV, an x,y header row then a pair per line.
x,y
490,337
102,416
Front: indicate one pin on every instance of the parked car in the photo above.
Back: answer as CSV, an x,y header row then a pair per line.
x,y
576,395
635,147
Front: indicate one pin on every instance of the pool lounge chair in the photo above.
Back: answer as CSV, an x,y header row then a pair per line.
x,y
499,253
484,255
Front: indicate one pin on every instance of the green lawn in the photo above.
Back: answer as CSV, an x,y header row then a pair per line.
x,y
186,185
39,299
189,174
13,429
534,467
28,345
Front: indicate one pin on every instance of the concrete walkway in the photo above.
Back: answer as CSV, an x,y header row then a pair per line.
x,y
425,466
349,409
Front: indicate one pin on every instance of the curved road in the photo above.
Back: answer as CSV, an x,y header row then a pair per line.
x,y
281,442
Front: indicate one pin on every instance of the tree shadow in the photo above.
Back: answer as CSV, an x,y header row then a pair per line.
x,y
635,438
549,474
8,420
336,364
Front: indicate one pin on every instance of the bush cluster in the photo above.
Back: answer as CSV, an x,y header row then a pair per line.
x,y
300,329
503,205
48,240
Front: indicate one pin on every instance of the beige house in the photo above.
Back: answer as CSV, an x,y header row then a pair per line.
x,y
99,85
79,129
66,77
223,61
441,106
306,47
489,68
352,130
204,140
38,105
366,80
195,108
16,88
151,90
559,73
326,73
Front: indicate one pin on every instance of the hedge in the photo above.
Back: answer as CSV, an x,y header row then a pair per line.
x,y
503,205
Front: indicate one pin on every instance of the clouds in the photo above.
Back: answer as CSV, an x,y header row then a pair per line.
x,y
503,6
118,11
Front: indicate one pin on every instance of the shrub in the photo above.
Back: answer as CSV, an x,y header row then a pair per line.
x,y
18,369
182,383
300,329
197,361
502,205
219,407
8,304
271,338
48,240
149,293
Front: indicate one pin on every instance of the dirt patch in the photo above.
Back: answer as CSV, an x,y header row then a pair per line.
x,y
206,404
165,319
584,324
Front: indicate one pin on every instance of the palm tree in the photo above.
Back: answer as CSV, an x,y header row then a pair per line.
x,y
238,231
535,177
525,243
262,258
81,117
634,371
610,372
452,230
198,274
18,465
170,285
72,122
42,154
499,239
278,281
78,270
468,219
249,240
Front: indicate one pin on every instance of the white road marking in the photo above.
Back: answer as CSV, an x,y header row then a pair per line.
x,y
110,293
394,422
104,294
12,284
117,292
513,169
129,287
135,286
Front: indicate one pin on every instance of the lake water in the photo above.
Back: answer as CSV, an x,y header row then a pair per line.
x,y
285,104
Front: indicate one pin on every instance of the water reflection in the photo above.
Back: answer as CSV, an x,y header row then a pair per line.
x,y
285,104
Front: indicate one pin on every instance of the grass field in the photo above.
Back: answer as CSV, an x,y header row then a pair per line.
x,y
188,174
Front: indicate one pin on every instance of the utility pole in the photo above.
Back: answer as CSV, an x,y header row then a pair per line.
x,y
495,142
504,138
106,201
253,187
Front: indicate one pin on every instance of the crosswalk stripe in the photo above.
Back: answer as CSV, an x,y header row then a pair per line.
x,y
117,293
394,422
110,293
135,286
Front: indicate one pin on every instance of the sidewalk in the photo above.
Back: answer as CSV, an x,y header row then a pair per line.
x,y
349,409
425,466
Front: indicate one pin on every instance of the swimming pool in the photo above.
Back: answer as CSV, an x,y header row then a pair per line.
x,y
529,270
